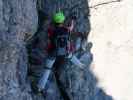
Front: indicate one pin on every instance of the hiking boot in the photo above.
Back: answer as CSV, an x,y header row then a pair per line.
x,y
82,66
40,92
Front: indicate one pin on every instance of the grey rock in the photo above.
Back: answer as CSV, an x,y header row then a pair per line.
x,y
17,19
68,82
72,7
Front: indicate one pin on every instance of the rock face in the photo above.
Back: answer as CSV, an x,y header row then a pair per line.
x,y
78,8
17,19
70,82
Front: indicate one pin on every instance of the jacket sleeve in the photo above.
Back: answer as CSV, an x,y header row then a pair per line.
x,y
50,46
50,32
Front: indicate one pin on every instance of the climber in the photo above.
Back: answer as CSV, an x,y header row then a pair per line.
x,y
59,46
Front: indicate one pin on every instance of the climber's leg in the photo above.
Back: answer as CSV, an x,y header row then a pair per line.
x,y
76,61
46,72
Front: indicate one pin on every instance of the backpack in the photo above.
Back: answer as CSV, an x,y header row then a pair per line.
x,y
62,41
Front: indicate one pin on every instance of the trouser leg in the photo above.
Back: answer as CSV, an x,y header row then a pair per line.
x,y
76,61
46,72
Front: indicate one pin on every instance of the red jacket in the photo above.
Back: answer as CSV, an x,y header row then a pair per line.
x,y
51,46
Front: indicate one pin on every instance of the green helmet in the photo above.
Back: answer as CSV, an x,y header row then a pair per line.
x,y
59,17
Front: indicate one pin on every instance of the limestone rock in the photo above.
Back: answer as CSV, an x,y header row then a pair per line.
x,y
19,21
17,17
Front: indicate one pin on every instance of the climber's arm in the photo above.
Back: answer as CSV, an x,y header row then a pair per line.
x,y
50,38
70,28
